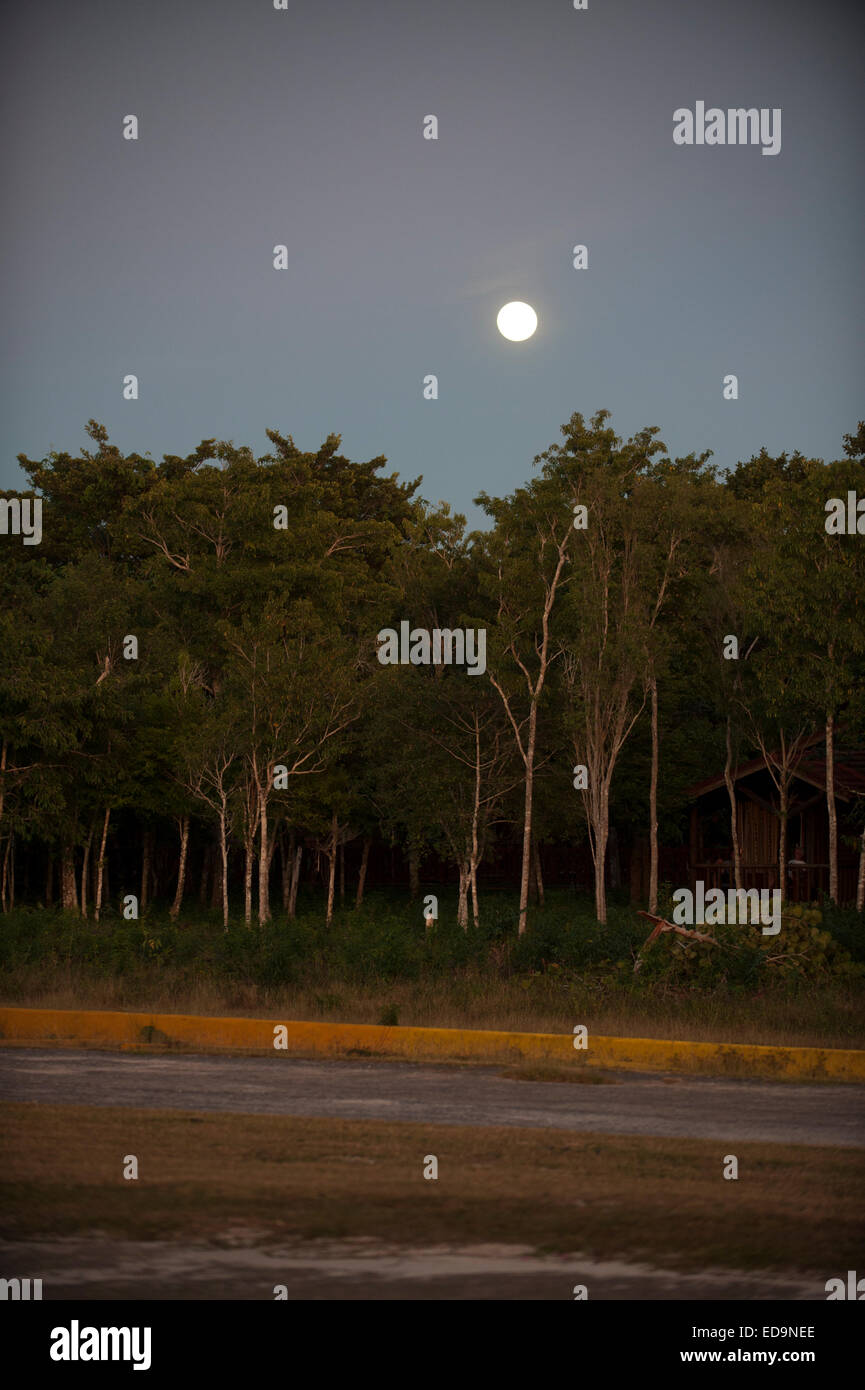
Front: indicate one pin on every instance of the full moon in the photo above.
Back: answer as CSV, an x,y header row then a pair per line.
x,y
517,321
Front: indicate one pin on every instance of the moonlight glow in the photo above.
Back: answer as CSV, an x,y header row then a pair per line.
x,y
517,321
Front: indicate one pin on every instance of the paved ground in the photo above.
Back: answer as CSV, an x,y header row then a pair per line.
x,y
98,1268
669,1106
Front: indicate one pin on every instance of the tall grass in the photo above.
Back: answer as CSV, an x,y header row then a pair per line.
x,y
380,964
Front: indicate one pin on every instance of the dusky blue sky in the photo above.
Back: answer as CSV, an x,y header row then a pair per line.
x,y
304,127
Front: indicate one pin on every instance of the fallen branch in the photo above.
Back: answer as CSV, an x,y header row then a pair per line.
x,y
661,926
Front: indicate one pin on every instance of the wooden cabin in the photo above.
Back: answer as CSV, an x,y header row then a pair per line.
x,y
710,855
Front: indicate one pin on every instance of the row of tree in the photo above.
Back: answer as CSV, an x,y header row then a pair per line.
x,y
194,644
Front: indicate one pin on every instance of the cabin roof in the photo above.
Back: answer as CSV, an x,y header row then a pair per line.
x,y
849,771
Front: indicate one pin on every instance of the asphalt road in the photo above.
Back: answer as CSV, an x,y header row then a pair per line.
x,y
665,1106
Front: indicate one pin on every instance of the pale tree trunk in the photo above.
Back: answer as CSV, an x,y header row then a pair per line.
x,y
860,882
413,875
601,837
84,868
331,869
223,851
342,875
248,850
528,753
100,868
474,855
146,855
68,889
653,805
539,879
527,817
361,878
263,860
463,905
473,884
295,880
181,871
832,808
783,815
596,800
734,819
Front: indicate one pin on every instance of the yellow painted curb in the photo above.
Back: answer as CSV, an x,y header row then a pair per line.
x,y
138,1030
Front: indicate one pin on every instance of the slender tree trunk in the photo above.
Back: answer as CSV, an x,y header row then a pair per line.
x,y
85,865
474,856
539,878
4,748
860,882
181,871
331,869
527,816
831,807
414,875
248,849
263,861
295,880
463,904
783,814
100,870
223,850
653,805
361,878
342,875
146,856
734,819
12,875
68,890
602,835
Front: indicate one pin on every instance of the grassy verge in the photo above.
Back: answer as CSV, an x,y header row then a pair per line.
x,y
204,1176
831,1016
380,966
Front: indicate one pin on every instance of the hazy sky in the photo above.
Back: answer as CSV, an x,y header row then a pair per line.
x,y
304,127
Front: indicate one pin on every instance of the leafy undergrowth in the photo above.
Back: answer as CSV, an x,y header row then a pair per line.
x,y
804,986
